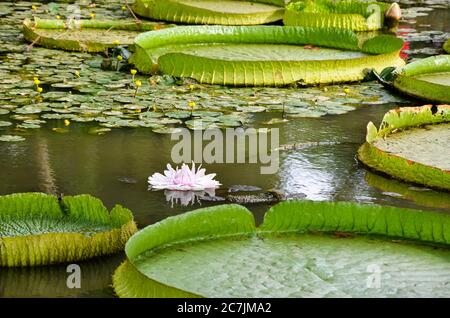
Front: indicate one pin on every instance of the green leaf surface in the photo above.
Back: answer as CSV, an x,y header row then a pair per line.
x,y
435,78
263,55
224,12
85,35
37,229
411,145
206,253
427,79
419,195
425,145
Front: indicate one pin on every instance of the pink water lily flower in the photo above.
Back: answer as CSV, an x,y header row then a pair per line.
x,y
184,179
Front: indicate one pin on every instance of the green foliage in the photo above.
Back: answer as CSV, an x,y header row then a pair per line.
x,y
28,205
422,169
345,14
263,55
202,224
406,117
218,252
37,229
432,64
382,44
447,46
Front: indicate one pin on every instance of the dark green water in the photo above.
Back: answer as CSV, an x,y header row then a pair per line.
x,y
114,167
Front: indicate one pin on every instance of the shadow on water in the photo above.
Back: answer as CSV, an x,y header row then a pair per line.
x,y
51,281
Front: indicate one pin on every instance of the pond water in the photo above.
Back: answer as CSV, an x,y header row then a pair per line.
x,y
326,124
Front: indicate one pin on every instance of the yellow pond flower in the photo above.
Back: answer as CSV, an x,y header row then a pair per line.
x,y
116,42
66,122
191,104
120,57
36,81
138,83
39,90
133,72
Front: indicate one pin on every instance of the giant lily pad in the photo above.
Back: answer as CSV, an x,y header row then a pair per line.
x,y
225,12
37,229
411,145
344,14
218,252
264,55
427,79
85,35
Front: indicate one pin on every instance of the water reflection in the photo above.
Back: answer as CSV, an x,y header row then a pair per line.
x,y
186,198
408,192
50,281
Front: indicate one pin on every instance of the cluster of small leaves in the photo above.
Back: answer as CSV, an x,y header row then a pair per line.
x,y
77,87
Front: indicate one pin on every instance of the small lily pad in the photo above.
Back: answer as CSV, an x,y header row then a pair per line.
x,y
11,138
5,123
60,130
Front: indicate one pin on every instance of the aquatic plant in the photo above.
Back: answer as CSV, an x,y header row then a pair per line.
x,y
411,145
133,74
224,12
38,229
84,35
446,46
137,84
427,79
344,14
420,195
184,179
36,82
302,249
264,55
51,281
